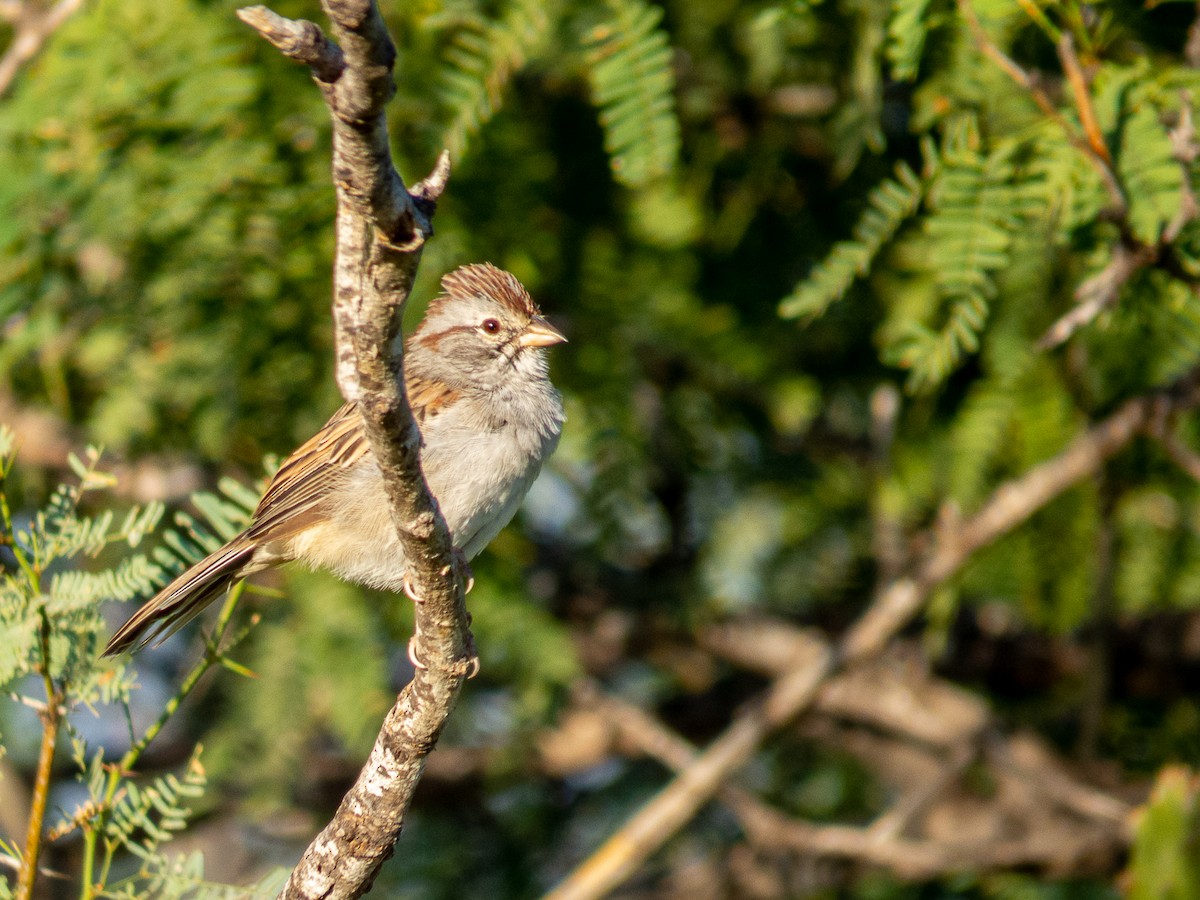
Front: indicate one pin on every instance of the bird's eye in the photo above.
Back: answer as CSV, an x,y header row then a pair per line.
x,y
491,326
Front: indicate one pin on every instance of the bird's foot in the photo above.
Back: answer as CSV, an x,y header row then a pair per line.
x,y
471,661
460,562
464,567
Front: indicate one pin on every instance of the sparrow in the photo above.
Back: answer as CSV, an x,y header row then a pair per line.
x,y
477,382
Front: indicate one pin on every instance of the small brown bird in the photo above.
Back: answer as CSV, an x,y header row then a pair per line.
x,y
475,371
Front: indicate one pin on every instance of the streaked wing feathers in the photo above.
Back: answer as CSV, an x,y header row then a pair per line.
x,y
428,398
293,499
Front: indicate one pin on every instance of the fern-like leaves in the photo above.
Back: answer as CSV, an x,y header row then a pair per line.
x,y
482,59
1152,177
633,85
49,586
1130,109
889,205
908,24
977,206
147,816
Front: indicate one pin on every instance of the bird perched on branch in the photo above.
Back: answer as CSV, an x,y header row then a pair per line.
x,y
475,371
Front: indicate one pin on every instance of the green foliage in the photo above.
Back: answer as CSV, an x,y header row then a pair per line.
x,y
974,212
482,58
888,206
181,877
144,817
629,68
52,632
148,193
164,253
60,631
1131,105
908,27
1165,864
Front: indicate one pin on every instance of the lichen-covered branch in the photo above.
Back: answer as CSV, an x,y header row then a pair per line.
x,y
381,229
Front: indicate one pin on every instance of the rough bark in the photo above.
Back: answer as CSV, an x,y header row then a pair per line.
x,y
382,227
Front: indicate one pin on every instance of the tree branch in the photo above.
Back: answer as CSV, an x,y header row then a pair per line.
x,y
52,718
381,229
1100,292
893,607
1066,840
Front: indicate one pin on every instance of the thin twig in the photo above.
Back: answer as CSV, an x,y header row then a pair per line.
x,y
51,721
1100,292
1191,49
1161,428
1009,506
887,532
1083,98
1186,150
1031,9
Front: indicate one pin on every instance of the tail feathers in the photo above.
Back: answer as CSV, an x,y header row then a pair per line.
x,y
176,604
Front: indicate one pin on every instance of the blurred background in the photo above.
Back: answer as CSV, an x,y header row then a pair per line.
x,y
804,253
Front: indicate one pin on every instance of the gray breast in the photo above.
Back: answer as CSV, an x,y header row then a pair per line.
x,y
481,458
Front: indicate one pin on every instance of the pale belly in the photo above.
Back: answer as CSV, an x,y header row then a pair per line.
x,y
479,486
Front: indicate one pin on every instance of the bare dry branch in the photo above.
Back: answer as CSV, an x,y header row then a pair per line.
x,y
1084,826
893,607
1100,292
11,10
1068,848
297,39
381,230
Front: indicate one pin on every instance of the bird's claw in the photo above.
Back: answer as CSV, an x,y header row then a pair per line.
x,y
473,664
411,592
465,568
412,654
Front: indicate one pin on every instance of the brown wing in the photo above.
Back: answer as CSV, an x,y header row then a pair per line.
x,y
293,500
428,398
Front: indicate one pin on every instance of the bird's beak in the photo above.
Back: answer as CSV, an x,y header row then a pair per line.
x,y
540,333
